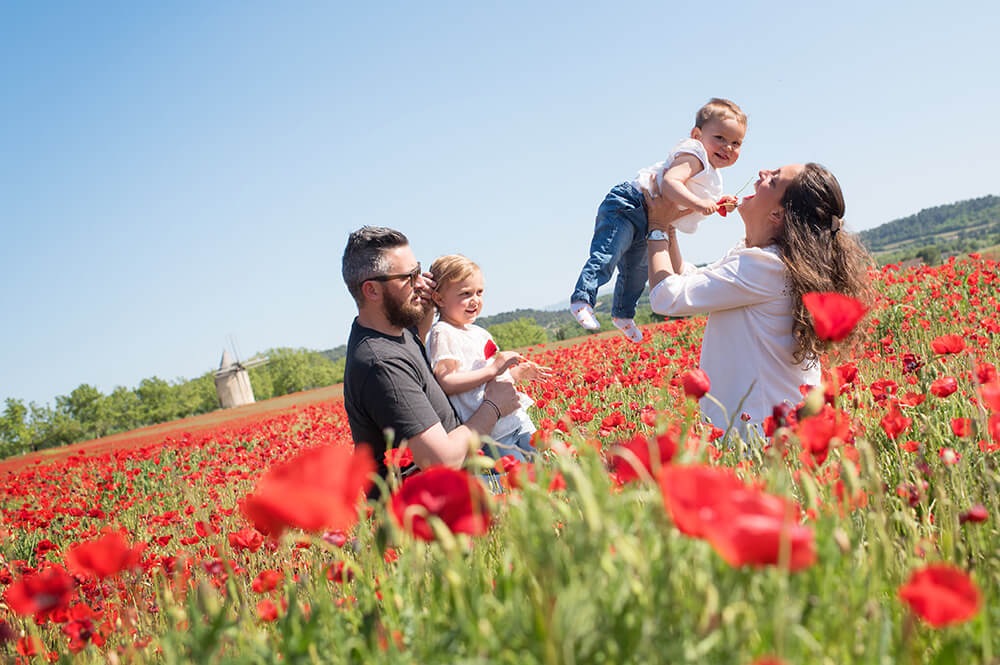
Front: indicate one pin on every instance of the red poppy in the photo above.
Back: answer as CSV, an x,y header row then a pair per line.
x,y
834,315
696,383
976,515
944,386
946,344
961,426
817,432
314,491
755,528
398,457
267,610
941,594
895,423
990,394
267,580
42,591
490,349
108,555
247,538
627,458
453,496
692,494
986,372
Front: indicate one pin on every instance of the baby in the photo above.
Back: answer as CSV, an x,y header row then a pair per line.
x,y
690,178
464,356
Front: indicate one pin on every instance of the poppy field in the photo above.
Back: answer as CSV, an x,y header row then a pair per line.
x,y
859,526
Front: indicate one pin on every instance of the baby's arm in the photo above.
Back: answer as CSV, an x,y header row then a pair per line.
x,y
454,382
675,185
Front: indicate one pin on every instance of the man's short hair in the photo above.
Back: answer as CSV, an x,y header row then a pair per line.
x,y
717,108
364,256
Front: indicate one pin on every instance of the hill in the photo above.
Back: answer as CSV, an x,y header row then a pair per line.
x,y
944,230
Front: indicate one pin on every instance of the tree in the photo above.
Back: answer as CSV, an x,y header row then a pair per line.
x,y
519,333
14,431
89,408
930,255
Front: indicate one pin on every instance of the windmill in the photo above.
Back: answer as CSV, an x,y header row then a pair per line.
x,y
232,381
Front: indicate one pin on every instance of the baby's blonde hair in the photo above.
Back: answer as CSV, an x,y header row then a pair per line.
x,y
718,108
447,270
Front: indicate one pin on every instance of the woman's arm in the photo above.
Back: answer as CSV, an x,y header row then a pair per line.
x,y
664,255
454,382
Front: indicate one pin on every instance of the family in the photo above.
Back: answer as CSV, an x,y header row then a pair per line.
x,y
436,384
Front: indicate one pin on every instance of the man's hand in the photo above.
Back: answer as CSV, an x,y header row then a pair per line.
x,y
502,394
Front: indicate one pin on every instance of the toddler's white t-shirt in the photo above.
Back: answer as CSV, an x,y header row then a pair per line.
x,y
467,346
707,183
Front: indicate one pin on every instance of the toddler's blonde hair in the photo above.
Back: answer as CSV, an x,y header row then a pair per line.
x,y
718,108
451,268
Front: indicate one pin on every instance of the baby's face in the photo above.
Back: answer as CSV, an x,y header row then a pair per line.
x,y
461,302
722,138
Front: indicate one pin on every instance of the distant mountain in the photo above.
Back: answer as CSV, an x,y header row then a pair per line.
x,y
944,230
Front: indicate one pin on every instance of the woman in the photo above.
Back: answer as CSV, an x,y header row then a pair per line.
x,y
759,344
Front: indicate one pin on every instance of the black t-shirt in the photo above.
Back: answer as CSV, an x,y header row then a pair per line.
x,y
388,383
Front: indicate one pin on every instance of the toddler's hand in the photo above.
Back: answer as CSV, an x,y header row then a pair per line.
x,y
531,371
707,206
727,204
503,360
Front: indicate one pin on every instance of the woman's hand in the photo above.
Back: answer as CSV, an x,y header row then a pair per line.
x,y
661,212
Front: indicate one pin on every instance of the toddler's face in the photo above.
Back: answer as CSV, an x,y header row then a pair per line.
x,y
722,138
461,302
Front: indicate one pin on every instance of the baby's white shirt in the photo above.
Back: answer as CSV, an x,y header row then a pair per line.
x,y
706,184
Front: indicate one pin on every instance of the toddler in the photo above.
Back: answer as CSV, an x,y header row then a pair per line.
x,y
464,356
689,177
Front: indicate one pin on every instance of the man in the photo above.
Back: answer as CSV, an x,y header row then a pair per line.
x,y
388,382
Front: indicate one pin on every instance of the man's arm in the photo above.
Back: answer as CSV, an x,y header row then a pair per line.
x,y
434,446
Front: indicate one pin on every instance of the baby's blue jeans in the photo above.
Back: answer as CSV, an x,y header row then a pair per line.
x,y
619,242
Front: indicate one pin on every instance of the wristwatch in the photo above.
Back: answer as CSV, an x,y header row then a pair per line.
x,y
657,234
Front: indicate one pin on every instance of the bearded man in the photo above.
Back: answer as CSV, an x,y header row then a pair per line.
x,y
388,382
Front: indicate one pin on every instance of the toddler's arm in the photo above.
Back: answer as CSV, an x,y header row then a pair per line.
x,y
675,185
454,382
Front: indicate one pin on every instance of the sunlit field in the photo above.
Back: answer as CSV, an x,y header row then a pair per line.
x,y
859,527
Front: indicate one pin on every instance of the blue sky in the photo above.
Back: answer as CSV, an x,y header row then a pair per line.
x,y
176,173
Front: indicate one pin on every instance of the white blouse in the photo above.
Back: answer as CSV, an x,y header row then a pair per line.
x,y
748,336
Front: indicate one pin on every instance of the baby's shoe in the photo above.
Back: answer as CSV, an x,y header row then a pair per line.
x,y
628,327
584,315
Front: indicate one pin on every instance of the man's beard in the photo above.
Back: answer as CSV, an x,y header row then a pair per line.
x,y
401,313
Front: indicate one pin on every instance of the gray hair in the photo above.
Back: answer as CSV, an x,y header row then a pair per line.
x,y
364,256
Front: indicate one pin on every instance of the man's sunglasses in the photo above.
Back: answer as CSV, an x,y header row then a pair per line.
x,y
412,276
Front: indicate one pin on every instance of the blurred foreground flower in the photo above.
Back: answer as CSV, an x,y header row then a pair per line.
x,y
453,496
941,594
696,383
45,590
108,555
834,315
744,525
316,490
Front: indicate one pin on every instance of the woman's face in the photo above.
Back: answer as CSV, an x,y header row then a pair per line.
x,y
761,211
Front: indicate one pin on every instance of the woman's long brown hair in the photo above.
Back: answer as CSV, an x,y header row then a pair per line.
x,y
818,253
